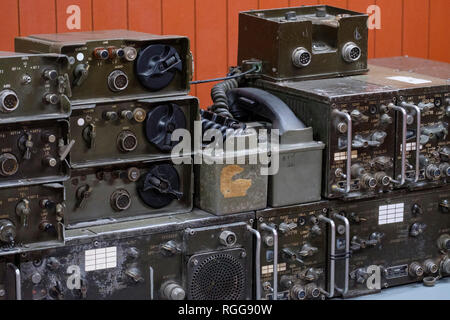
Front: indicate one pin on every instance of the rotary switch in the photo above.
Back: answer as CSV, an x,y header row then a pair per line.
x,y
157,65
160,186
161,122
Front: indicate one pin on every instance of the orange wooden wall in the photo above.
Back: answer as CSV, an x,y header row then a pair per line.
x,y
408,27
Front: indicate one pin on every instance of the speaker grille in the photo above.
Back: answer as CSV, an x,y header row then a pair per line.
x,y
219,276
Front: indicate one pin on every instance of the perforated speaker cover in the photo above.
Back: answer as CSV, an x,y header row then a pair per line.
x,y
217,276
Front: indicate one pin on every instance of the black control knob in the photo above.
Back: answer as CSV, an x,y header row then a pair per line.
x,y
7,231
9,101
120,200
101,53
47,227
50,74
116,52
110,116
160,186
162,121
8,164
127,141
416,209
444,206
117,81
126,115
157,65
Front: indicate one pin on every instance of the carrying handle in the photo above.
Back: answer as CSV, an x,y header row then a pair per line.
x,y
274,232
347,253
257,260
18,280
418,129
348,175
404,133
330,293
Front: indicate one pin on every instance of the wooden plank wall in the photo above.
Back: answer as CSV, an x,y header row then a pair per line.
x,y
408,27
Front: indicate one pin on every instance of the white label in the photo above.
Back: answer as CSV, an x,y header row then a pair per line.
x,y
410,80
410,146
391,213
339,156
269,269
100,259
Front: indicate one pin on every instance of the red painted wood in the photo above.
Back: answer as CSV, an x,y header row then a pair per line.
x,y
37,16
211,39
234,7
110,14
415,28
145,16
180,22
9,17
388,40
439,45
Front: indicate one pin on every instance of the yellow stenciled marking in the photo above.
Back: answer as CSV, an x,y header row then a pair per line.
x,y
233,188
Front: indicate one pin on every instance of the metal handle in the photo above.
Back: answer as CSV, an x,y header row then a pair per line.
x,y
330,293
18,280
404,132
348,119
275,258
418,129
257,261
347,253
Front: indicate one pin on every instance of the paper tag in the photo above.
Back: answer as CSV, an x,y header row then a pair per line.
x,y
410,80
100,259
